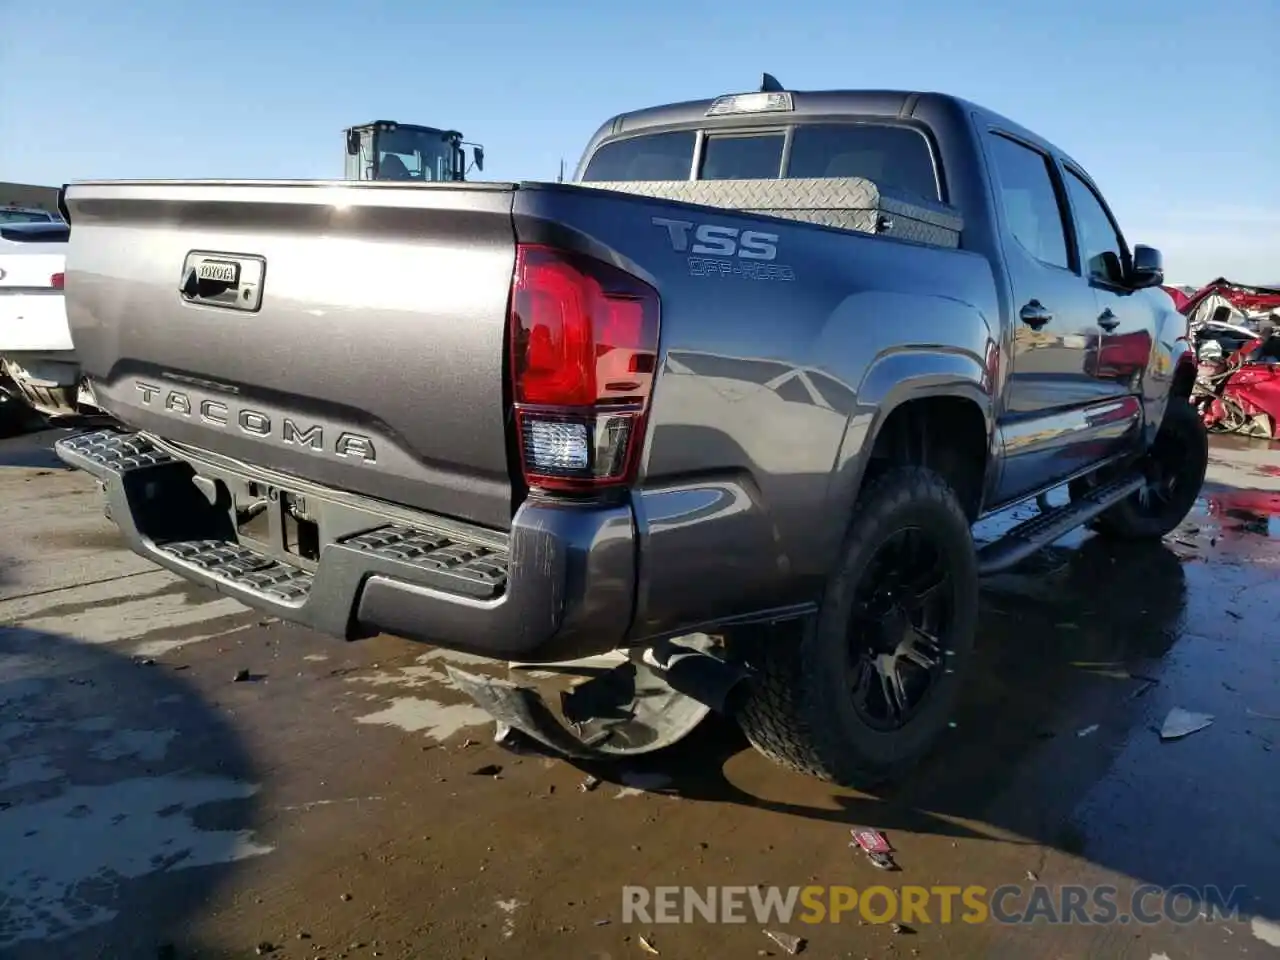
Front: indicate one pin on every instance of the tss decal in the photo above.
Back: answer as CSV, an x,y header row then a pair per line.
x,y
710,240
750,252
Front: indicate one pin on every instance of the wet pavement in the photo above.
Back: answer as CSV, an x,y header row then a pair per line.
x,y
343,801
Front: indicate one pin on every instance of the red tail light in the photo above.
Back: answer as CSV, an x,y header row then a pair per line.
x,y
584,346
56,281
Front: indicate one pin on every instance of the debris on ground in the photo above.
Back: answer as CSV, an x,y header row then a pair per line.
x,y
1231,613
1262,716
1148,683
649,947
1086,731
589,784
265,947
787,941
876,846
1180,723
488,770
900,928
1031,875
638,784
241,676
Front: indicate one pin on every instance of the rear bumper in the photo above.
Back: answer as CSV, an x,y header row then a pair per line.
x,y
559,586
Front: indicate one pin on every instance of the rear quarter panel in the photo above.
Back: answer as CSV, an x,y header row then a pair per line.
x,y
770,385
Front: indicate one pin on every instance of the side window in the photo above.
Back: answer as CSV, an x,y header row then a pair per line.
x,y
1029,200
1101,248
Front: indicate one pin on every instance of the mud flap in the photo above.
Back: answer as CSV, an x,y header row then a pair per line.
x,y
647,703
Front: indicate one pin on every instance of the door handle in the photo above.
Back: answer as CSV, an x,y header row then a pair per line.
x,y
1034,315
1108,321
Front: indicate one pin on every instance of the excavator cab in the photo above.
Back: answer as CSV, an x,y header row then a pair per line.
x,y
386,150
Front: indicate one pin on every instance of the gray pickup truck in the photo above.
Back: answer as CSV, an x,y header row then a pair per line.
x,y
725,408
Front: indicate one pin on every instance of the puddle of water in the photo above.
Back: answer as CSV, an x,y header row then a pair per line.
x,y
64,854
508,907
1254,512
24,771
156,648
1266,931
409,677
439,721
145,745
107,623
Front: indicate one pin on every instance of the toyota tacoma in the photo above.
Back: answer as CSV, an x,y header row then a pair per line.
x,y
725,407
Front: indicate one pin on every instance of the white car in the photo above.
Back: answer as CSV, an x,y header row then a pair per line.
x,y
36,352
12,214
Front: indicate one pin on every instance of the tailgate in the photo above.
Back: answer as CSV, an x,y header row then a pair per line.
x,y
349,334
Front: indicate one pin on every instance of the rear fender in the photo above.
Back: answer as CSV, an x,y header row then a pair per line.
x,y
897,378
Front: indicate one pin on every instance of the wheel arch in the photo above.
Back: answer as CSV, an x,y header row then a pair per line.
x,y
908,391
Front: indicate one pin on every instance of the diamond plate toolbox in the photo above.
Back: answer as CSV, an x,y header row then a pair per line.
x,y
847,203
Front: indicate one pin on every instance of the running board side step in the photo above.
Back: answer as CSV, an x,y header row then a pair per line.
x,y
1033,535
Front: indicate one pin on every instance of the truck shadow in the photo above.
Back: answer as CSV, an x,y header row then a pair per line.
x,y
1081,653
125,800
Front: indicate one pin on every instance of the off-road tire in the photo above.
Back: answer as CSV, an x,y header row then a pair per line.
x,y
797,708
1182,429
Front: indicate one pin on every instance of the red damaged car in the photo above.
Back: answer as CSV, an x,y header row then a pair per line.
x,y
1236,331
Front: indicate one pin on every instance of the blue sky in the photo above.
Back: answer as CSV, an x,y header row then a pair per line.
x,y
1173,107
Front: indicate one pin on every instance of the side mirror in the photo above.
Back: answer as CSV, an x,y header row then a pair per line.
x,y
353,143
478,153
1148,268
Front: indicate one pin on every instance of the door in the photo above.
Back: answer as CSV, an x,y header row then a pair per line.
x,y
1044,427
1126,320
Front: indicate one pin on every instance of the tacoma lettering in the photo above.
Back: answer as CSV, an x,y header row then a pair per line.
x,y
285,430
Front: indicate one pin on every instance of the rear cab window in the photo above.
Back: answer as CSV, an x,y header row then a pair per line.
x,y
895,156
656,156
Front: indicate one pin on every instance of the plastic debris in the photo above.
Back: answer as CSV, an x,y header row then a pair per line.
x,y
649,947
787,941
1180,723
589,784
240,677
1148,683
1086,731
875,845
